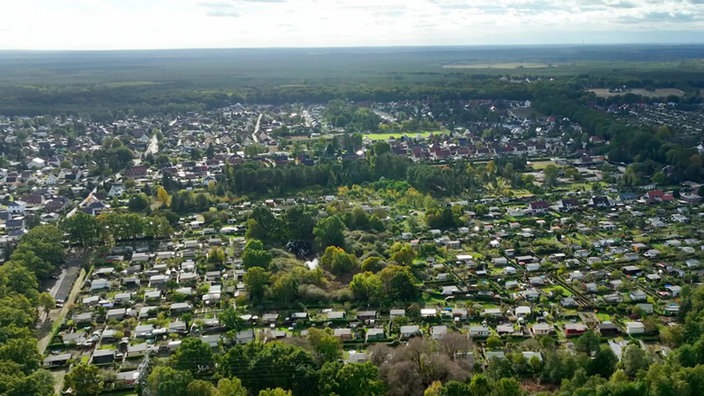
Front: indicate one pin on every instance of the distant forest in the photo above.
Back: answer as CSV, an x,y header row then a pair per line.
x,y
110,84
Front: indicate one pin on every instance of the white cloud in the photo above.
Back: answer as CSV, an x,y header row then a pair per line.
x,y
113,24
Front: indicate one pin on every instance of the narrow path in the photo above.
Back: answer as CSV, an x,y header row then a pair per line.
x,y
56,317
256,128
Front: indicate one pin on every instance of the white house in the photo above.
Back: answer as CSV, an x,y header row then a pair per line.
x,y
36,163
523,311
51,180
428,312
438,332
116,190
479,331
542,329
409,331
16,207
635,328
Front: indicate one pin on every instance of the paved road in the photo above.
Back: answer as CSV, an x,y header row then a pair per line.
x,y
65,283
256,128
153,147
80,205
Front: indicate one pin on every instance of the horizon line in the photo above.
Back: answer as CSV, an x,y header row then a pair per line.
x,y
575,44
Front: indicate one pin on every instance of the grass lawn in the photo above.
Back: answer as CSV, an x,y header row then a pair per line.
x,y
603,316
500,65
540,165
579,186
520,192
565,292
396,135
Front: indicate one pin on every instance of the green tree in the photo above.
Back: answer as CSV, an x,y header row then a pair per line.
x,y
22,351
353,379
270,227
39,383
399,283
358,219
603,363
254,255
499,368
231,387
201,388
275,392
216,255
455,388
256,280
298,224
34,264
254,230
167,381
271,365
326,347
10,377
46,242
130,184
380,147
85,380
46,301
17,277
337,261
402,253
479,385
285,288
372,264
507,387
634,359
138,202
231,320
550,172
587,343
329,231
82,229
367,287
687,356
17,310
493,342
194,356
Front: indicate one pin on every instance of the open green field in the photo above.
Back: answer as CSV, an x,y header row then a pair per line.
x,y
540,165
505,66
122,393
654,93
397,135
521,192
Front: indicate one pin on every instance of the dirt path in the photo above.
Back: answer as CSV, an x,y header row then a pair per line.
x,y
56,317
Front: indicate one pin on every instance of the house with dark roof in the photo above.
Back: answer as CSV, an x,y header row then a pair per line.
x,y
568,204
536,207
103,356
601,201
136,171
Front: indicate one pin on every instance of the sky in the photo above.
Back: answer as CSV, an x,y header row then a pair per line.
x,y
156,24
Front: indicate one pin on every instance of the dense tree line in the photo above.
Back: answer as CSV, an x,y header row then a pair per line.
x,y
257,179
105,229
342,114
37,256
648,148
